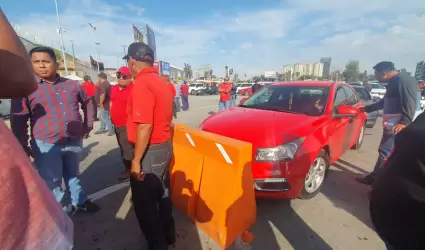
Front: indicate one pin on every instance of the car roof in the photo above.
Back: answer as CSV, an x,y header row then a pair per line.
x,y
306,83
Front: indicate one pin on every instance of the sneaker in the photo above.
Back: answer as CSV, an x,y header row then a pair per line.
x,y
99,132
87,207
367,180
111,133
124,176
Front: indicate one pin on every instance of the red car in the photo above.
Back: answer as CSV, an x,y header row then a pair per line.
x,y
246,91
297,129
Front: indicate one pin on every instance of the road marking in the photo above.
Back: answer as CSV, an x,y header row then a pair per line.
x,y
189,138
224,153
125,207
107,191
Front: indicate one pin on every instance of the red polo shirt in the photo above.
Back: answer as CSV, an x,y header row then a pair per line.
x,y
184,89
150,102
119,98
89,88
225,97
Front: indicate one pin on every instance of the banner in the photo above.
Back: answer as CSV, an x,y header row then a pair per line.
x,y
164,68
150,35
138,36
93,64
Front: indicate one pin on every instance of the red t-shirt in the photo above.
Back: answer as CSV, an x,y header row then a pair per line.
x,y
225,97
118,108
89,88
184,89
150,102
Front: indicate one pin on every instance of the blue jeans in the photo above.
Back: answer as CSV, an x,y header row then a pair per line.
x,y
233,100
384,150
55,162
185,102
223,105
105,120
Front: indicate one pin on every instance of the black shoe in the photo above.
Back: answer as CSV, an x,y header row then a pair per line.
x,y
367,180
99,132
87,207
111,133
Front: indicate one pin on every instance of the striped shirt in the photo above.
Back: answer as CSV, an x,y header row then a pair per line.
x,y
54,113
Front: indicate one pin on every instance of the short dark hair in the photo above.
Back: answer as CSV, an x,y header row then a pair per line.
x,y
384,66
86,78
42,49
103,75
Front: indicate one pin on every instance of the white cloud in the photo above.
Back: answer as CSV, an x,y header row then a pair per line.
x,y
295,31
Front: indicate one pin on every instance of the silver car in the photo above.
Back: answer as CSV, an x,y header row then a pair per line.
x,y
4,108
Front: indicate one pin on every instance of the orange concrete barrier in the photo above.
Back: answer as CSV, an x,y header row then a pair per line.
x,y
212,183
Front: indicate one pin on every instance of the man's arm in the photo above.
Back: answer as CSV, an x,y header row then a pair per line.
x,y
87,107
102,89
376,106
17,79
19,116
408,90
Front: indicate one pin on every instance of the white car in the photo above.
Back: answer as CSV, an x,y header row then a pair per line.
x,y
422,103
193,87
244,86
378,91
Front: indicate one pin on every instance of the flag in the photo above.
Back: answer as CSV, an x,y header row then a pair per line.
x,y
138,36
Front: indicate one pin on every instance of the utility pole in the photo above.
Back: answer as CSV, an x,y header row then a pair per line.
x,y
98,44
73,57
125,52
60,30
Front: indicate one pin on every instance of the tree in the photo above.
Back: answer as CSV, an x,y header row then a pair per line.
x,y
351,72
187,71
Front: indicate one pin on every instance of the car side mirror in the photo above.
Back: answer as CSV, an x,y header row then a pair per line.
x,y
243,100
346,111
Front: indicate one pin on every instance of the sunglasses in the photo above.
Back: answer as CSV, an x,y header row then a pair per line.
x,y
123,77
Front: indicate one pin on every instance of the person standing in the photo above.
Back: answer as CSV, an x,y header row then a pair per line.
x,y
255,87
401,104
173,92
57,129
103,100
119,99
185,96
90,90
224,90
149,129
233,95
177,97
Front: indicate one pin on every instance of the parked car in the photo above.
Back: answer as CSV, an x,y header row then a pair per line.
x,y
207,90
297,130
195,86
378,91
5,108
367,99
243,86
246,91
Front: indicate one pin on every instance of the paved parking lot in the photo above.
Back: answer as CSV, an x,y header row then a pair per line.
x,y
336,219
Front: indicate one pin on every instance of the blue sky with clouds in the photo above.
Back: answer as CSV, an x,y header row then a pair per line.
x,y
252,36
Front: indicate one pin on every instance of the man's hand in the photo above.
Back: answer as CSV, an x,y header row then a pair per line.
x,y
397,128
362,109
136,171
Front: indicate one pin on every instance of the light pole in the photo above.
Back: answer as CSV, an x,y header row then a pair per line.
x,y
73,57
60,30
98,44
125,52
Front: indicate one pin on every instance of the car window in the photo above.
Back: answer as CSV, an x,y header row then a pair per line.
x,y
340,97
307,100
192,85
351,95
199,85
364,94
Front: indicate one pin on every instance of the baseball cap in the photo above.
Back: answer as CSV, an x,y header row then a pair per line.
x,y
124,70
140,52
384,66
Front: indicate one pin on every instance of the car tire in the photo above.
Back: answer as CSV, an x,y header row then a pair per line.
x,y
310,189
360,138
371,124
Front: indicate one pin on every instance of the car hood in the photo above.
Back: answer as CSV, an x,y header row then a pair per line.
x,y
262,128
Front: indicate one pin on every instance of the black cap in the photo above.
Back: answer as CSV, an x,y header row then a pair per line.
x,y
384,66
140,52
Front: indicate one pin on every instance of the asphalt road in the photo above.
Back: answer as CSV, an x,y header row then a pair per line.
x,y
337,218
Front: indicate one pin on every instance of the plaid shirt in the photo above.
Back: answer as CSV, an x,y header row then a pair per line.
x,y
54,113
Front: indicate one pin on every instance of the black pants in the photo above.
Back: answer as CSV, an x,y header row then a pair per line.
x,y
151,197
93,99
125,146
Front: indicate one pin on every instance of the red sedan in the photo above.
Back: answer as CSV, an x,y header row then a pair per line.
x,y
297,129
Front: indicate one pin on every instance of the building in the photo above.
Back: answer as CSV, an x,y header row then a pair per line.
x,y
270,74
307,69
318,69
420,70
288,72
176,72
326,66
299,70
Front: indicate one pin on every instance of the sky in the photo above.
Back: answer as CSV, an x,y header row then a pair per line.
x,y
250,36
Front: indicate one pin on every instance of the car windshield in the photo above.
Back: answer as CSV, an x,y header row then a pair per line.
x,y
307,100
363,93
192,85
377,86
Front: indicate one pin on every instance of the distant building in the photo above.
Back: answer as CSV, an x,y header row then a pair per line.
x,y
176,72
326,66
308,69
420,70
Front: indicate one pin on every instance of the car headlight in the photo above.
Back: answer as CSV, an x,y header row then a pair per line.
x,y
285,152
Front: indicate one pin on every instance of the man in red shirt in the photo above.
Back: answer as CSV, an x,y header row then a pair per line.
x,y
173,92
184,89
90,90
224,90
149,113
118,107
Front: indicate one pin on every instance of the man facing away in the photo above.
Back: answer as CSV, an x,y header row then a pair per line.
x,y
185,96
103,100
149,120
177,96
255,87
401,104
233,95
224,90
57,129
90,90
118,107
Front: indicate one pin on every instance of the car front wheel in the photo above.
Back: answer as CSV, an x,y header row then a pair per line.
x,y
315,176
